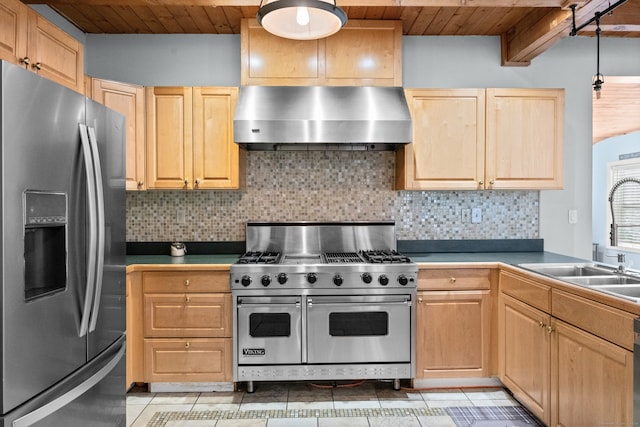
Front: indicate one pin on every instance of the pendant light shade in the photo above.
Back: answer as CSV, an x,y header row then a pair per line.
x,y
301,19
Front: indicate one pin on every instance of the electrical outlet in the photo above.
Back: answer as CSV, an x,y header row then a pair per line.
x,y
573,216
180,216
466,215
476,215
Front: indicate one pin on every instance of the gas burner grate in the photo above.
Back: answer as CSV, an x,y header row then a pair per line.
x,y
257,257
342,258
385,257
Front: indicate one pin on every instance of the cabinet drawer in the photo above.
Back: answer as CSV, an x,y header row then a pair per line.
x,y
454,279
181,360
606,322
186,281
527,291
187,315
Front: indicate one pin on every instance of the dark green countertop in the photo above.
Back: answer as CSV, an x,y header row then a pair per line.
x,y
436,257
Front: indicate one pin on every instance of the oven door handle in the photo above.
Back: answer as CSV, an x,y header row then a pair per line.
x,y
350,302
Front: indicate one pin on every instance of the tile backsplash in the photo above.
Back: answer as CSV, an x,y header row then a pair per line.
x,y
328,186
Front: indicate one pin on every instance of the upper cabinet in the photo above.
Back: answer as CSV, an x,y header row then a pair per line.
x,y
28,39
190,138
475,139
128,100
363,53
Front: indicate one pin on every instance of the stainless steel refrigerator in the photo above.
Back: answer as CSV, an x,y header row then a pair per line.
x,y
62,259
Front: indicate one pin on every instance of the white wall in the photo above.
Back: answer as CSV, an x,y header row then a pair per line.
x,y
427,62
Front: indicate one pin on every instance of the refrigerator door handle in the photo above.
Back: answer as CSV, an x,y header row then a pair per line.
x,y
101,229
68,397
93,229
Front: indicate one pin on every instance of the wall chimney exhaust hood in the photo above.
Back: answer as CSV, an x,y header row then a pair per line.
x,y
322,118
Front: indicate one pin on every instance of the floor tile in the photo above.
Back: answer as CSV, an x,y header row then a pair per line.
x,y
216,407
448,403
494,402
437,421
139,398
148,413
393,422
403,404
343,422
190,423
487,394
309,405
292,422
454,394
133,411
263,406
356,404
174,398
241,423
220,397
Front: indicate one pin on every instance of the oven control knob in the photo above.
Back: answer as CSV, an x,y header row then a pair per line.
x,y
265,280
282,278
366,277
337,280
245,280
383,280
402,279
312,278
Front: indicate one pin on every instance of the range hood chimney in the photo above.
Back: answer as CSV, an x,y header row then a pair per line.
x,y
322,118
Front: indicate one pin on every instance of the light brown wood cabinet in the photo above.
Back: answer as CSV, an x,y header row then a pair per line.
x,y
128,100
28,39
135,320
453,323
365,53
190,138
474,139
567,358
187,326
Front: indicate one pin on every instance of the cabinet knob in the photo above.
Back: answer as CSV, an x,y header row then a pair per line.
x,y
187,299
480,183
187,282
140,184
37,66
25,60
493,181
541,324
186,182
187,345
550,330
419,300
197,182
452,280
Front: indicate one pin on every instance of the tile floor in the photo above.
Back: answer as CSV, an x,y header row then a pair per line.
x,y
300,404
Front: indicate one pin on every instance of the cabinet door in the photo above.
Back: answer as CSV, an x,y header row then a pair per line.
x,y
169,137
13,30
54,54
594,380
524,346
215,155
135,320
128,100
188,360
448,145
525,138
453,334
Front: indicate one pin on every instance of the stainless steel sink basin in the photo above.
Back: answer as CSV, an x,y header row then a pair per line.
x,y
592,281
565,270
629,291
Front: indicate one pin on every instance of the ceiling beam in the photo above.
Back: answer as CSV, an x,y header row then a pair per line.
x,y
537,32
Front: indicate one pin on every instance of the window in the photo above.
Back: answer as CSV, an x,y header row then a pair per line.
x,y
626,202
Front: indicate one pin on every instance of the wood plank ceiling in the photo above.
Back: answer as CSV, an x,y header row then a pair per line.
x,y
526,27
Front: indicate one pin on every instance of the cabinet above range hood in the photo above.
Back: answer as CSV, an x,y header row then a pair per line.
x,y
322,118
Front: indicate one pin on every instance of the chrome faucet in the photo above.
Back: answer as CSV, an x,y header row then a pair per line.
x,y
613,234
621,263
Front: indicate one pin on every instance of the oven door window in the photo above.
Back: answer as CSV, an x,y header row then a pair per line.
x,y
372,323
263,325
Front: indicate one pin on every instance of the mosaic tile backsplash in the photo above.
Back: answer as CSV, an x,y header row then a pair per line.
x,y
328,186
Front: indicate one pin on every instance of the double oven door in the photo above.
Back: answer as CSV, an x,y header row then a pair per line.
x,y
345,329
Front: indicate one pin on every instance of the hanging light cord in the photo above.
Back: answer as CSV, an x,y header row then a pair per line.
x,y
598,79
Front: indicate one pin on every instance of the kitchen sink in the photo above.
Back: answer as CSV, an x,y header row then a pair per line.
x,y
629,291
569,270
613,279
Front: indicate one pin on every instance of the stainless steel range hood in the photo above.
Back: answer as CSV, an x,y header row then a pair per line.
x,y
321,118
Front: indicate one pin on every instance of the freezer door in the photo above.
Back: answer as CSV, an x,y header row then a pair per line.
x,y
91,396
108,319
40,143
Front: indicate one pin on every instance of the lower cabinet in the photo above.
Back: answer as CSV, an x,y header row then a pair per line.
x,y
453,323
183,326
567,359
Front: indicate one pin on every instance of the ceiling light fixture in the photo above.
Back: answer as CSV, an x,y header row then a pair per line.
x,y
301,19
598,79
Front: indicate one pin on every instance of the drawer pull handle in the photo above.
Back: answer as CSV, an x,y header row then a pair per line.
x,y
187,299
452,280
187,282
187,345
